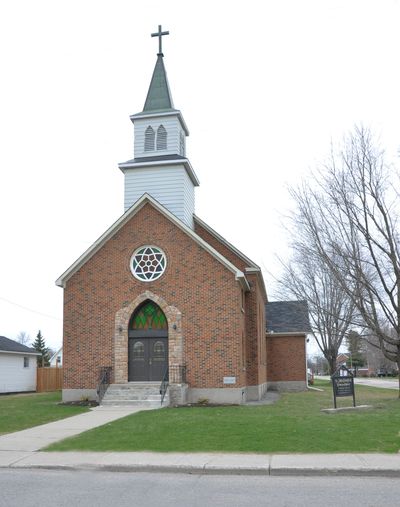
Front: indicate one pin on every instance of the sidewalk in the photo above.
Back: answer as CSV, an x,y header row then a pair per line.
x,y
21,450
41,436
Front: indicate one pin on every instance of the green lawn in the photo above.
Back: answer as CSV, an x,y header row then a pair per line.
x,y
21,411
294,424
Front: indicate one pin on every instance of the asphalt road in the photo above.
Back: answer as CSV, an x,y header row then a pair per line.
x,y
50,488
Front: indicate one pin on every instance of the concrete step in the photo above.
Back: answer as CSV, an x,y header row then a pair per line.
x,y
128,396
135,403
136,385
140,394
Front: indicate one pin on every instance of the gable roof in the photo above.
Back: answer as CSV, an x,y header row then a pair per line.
x,y
7,345
251,266
129,213
287,317
249,262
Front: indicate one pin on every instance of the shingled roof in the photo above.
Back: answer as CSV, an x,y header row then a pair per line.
x,y
287,317
7,345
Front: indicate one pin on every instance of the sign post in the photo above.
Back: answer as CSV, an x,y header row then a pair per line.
x,y
343,384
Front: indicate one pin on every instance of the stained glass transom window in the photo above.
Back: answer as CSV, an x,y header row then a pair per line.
x,y
149,316
148,263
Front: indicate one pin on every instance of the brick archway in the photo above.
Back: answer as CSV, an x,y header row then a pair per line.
x,y
122,317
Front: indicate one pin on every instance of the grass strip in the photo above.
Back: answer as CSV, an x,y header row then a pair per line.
x,y
294,424
22,411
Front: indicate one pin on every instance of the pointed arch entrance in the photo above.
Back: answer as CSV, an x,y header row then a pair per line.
x,y
147,343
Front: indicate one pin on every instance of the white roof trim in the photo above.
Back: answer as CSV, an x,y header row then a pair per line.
x,y
153,163
146,198
287,333
20,353
252,264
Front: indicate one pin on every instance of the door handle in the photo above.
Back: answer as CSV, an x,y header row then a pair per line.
x,y
150,362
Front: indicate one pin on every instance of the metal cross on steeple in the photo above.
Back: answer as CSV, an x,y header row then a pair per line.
x,y
159,34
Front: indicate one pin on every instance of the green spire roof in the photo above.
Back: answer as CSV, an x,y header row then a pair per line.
x,y
159,96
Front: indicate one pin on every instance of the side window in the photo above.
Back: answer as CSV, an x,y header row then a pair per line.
x,y
149,138
161,138
26,362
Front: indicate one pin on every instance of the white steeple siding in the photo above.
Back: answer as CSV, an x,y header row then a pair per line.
x,y
173,127
170,185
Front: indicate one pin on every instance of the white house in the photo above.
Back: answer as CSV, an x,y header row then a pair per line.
x,y
17,367
56,359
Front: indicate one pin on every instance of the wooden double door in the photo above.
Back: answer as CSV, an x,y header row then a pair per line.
x,y
147,356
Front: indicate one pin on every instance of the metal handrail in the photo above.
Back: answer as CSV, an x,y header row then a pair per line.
x,y
164,385
104,381
174,374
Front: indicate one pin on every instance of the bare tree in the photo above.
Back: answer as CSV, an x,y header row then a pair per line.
x,y
351,217
23,338
306,277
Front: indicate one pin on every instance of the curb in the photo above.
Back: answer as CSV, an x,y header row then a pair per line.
x,y
213,470
306,465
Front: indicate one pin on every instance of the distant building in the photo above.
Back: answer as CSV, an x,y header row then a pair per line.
x,y
17,367
342,360
57,358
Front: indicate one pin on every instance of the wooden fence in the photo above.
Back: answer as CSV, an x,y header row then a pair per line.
x,y
49,379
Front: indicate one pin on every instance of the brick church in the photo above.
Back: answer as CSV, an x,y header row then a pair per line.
x,y
162,296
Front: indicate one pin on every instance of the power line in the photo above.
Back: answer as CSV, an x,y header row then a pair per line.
x,y
29,309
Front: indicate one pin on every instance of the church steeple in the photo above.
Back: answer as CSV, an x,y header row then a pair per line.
x,y
159,95
160,167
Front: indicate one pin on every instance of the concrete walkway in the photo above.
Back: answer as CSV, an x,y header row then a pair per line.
x,y
22,450
41,436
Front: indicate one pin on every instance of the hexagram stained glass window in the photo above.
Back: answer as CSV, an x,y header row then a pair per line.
x,y
149,316
148,263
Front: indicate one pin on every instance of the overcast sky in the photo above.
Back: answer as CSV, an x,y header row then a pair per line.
x,y
264,87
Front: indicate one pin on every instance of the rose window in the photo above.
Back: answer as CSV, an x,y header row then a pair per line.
x,y
148,263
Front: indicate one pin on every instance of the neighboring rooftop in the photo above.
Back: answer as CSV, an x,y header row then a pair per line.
x,y
287,317
7,345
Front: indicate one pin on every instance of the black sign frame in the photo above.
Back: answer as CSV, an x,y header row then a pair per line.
x,y
343,384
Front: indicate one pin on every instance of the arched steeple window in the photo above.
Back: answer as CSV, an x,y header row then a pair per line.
x,y
149,138
161,138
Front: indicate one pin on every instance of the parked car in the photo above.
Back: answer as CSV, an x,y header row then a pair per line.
x,y
387,372
381,372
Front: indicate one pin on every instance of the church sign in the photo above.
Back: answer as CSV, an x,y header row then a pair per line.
x,y
343,384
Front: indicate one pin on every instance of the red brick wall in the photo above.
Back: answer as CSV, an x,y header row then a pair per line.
x,y
255,361
286,358
255,333
196,283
